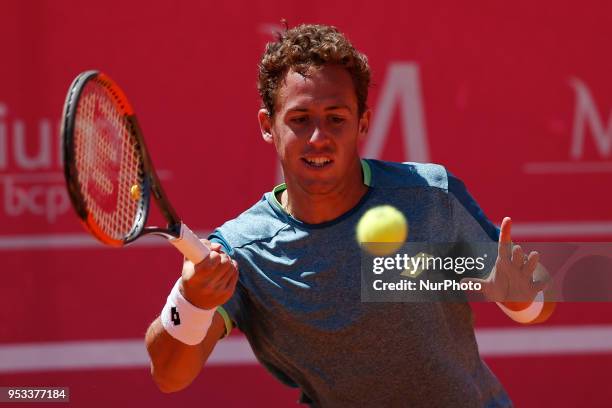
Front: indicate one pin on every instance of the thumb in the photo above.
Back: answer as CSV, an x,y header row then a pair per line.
x,y
540,286
214,246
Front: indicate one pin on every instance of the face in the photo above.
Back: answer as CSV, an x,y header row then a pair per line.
x,y
316,129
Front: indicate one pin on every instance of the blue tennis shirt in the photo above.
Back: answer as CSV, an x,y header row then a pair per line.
x,y
298,300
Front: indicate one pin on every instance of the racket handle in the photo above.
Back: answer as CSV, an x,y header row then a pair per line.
x,y
190,245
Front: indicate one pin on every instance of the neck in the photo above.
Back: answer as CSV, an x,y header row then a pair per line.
x,y
319,208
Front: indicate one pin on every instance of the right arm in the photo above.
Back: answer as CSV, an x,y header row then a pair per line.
x,y
174,365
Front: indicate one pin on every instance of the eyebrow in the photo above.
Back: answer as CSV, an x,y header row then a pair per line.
x,y
335,107
329,108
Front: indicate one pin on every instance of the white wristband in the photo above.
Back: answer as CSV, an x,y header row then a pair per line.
x,y
184,321
529,314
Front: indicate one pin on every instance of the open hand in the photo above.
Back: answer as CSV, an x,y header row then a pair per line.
x,y
511,281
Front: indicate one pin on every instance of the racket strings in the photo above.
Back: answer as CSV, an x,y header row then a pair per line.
x,y
130,174
108,163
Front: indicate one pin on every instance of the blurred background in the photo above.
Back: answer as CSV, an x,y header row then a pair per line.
x,y
513,97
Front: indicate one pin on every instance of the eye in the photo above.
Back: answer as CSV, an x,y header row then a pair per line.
x,y
299,120
337,119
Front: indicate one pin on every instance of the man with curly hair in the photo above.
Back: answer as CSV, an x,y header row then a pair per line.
x,y
287,270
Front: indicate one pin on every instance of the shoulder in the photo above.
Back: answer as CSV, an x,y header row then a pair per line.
x,y
409,174
258,223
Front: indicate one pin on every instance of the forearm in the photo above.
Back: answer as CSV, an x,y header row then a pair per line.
x,y
174,365
187,315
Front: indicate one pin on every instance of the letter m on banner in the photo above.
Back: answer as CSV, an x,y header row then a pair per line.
x,y
402,86
586,115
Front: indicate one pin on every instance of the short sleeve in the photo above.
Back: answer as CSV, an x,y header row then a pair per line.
x,y
470,221
474,233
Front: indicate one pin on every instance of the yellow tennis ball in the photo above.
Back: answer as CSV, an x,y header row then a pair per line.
x,y
382,230
135,192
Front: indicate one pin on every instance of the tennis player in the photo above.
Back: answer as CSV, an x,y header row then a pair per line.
x,y
287,271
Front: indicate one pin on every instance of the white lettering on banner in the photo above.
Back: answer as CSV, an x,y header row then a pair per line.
x,y
586,114
586,117
402,85
36,159
42,160
28,191
48,199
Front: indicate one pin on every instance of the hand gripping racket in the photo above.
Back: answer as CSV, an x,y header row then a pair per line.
x,y
109,174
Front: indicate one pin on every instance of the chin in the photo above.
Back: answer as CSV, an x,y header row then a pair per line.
x,y
318,187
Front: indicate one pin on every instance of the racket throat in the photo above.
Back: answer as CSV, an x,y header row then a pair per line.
x,y
170,232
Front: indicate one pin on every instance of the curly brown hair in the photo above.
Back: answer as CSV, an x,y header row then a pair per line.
x,y
306,46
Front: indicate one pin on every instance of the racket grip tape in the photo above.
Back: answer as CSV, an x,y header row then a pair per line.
x,y
190,245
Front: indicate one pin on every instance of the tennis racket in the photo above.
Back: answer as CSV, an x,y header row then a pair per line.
x,y
108,170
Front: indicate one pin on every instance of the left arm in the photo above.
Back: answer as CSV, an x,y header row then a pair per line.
x,y
516,279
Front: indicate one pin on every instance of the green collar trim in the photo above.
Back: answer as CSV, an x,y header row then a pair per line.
x,y
367,173
367,180
276,190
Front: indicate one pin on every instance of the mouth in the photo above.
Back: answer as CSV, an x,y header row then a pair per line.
x,y
317,162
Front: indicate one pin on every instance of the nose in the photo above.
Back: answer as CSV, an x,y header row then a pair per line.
x,y
319,135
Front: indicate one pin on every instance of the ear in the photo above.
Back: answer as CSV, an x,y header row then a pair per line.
x,y
364,123
265,125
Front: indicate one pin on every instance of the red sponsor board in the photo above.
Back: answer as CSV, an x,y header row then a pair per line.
x,y
514,98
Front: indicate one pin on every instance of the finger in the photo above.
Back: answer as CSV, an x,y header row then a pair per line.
x,y
213,260
208,264
505,240
226,261
216,279
232,282
228,289
214,246
518,256
540,273
540,286
231,286
221,272
221,283
226,267
532,263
